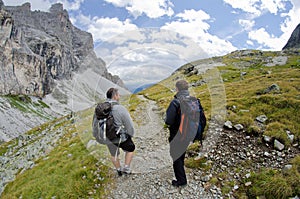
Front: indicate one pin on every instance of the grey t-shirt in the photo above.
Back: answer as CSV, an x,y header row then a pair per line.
x,y
122,118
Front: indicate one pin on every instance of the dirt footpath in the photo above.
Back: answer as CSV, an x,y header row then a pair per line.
x,y
152,164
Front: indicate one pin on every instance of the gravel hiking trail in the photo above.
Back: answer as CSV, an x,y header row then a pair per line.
x,y
152,170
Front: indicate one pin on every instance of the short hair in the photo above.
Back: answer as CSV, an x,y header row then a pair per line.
x,y
182,85
111,93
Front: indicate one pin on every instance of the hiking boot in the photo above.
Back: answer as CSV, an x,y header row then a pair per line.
x,y
126,170
119,171
175,183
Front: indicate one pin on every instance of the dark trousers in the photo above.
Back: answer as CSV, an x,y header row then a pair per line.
x,y
177,151
178,167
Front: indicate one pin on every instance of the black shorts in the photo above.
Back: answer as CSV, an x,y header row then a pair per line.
x,y
127,146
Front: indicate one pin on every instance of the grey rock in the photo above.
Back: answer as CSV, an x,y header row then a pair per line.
x,y
239,127
287,167
267,154
277,145
262,118
278,60
91,143
267,139
205,178
247,184
272,88
228,124
290,136
236,187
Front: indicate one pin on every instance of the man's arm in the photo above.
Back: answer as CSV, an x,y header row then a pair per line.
x,y
127,121
171,113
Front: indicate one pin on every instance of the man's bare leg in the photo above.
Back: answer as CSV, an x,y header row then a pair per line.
x,y
128,158
116,162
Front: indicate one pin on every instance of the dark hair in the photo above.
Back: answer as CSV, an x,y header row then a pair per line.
x,y
111,93
182,85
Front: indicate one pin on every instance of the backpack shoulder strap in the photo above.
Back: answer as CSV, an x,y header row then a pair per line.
x,y
200,105
113,103
177,102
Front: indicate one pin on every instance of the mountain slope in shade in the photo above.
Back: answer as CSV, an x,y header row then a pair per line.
x,y
38,49
294,40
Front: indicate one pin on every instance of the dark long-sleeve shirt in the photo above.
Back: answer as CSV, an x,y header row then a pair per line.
x,y
173,114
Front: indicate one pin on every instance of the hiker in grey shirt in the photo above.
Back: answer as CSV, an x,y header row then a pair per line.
x,y
121,119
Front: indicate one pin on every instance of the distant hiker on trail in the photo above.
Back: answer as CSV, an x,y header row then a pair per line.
x,y
121,119
183,121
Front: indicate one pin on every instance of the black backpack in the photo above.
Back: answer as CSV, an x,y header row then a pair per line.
x,y
192,119
104,129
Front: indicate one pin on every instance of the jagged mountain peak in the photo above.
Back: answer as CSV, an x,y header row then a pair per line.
x,y
44,56
39,48
294,40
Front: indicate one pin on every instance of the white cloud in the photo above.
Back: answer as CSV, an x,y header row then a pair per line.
x,y
292,19
135,57
164,41
247,24
245,5
249,42
268,40
73,5
105,28
153,8
138,75
263,37
147,47
193,15
273,6
192,24
144,65
119,3
258,7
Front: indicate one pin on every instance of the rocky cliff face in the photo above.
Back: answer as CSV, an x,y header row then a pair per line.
x,y
294,40
37,48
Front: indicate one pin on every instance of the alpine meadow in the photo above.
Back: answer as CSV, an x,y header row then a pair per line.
x,y
51,81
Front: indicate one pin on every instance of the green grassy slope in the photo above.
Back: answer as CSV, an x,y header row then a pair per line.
x,y
70,170
245,79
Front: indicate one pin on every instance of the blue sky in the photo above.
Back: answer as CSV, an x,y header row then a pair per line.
x,y
144,41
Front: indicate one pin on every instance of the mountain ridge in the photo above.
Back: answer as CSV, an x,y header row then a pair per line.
x,y
41,47
43,57
294,40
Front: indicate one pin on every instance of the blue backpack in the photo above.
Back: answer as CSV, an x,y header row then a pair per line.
x,y
192,119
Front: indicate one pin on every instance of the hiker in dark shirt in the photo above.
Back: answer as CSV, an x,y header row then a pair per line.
x,y
178,147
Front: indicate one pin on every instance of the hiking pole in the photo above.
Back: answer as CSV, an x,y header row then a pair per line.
x,y
117,133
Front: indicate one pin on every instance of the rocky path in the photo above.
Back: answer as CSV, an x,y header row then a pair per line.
x,y
152,165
